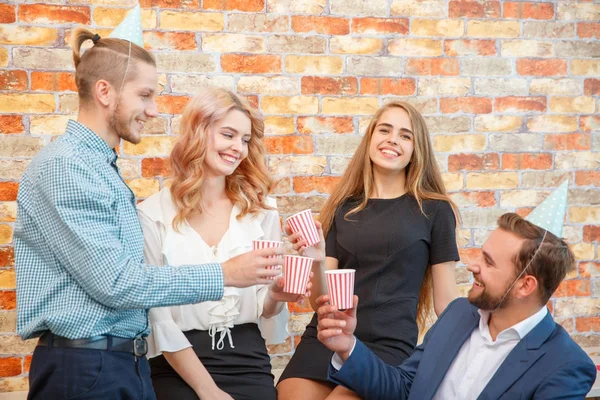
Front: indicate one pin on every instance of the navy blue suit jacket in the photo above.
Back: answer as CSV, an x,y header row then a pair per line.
x,y
545,364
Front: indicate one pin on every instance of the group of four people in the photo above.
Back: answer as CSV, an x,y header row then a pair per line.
x,y
97,273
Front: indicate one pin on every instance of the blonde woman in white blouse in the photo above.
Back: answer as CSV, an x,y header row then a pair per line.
x,y
216,206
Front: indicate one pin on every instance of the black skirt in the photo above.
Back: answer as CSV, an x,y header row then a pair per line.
x,y
244,372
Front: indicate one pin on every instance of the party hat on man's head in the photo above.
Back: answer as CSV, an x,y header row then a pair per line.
x,y
130,28
550,214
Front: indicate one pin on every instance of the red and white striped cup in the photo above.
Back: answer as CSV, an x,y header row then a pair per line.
x,y
304,223
340,285
297,272
264,244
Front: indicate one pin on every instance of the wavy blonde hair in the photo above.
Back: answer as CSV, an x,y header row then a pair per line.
x,y
250,183
423,182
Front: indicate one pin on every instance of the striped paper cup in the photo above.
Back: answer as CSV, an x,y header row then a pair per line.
x,y
297,272
304,223
263,244
340,285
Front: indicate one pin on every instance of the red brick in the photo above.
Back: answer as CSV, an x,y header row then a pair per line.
x,y
239,5
152,167
13,79
469,254
7,14
573,287
588,30
27,364
475,46
538,161
481,199
297,340
523,212
531,10
8,191
327,85
591,233
587,178
255,64
537,10
10,366
474,9
589,123
11,124
186,4
591,87
155,40
8,300
7,257
568,141
322,184
323,25
469,105
53,81
432,66
473,162
331,124
369,26
252,100
398,87
541,67
587,268
519,104
587,324
171,104
289,144
50,14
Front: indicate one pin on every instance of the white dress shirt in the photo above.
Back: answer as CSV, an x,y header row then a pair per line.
x,y
164,246
478,359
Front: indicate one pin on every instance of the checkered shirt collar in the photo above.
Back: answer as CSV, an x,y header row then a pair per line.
x,y
91,140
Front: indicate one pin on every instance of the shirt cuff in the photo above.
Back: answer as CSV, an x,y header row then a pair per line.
x,y
209,281
337,362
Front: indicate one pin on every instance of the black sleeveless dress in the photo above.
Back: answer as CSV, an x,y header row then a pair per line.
x,y
390,244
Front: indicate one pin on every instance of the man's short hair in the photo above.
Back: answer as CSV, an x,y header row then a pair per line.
x,y
551,263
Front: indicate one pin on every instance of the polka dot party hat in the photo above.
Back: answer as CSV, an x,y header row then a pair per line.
x,y
130,28
550,214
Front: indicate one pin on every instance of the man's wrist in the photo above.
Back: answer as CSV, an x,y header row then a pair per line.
x,y
339,358
345,355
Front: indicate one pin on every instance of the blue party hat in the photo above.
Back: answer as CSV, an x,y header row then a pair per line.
x,y
550,214
130,28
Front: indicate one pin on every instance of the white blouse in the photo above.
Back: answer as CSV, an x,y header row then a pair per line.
x,y
165,246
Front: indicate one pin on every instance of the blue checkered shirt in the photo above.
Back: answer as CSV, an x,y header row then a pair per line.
x,y
79,248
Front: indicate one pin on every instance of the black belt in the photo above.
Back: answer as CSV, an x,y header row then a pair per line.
x,y
137,346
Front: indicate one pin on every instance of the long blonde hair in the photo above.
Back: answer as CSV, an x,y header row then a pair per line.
x,y
423,182
250,183
107,59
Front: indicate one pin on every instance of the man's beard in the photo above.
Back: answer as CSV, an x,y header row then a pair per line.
x,y
121,126
487,302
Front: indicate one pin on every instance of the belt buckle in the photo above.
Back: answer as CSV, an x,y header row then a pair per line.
x,y
140,346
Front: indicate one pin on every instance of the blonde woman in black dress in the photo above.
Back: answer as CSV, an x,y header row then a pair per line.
x,y
391,220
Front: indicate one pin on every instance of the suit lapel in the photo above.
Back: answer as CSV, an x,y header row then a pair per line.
x,y
452,346
520,359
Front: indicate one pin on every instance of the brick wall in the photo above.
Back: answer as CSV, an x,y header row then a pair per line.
x,y
510,91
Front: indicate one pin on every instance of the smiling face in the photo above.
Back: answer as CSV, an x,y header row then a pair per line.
x,y
228,143
392,142
135,104
494,270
